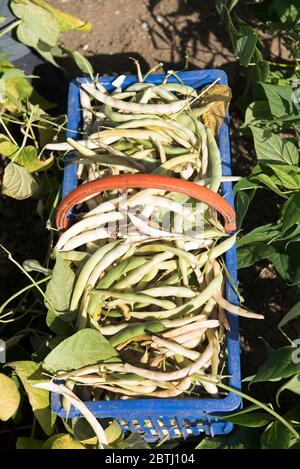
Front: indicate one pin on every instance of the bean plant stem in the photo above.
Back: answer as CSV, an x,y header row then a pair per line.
x,y
29,276
269,410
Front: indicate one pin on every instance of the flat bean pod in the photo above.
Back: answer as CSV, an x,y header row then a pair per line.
x,y
86,272
132,298
136,331
169,108
189,307
137,274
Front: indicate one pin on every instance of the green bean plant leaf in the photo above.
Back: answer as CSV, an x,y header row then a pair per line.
x,y
31,373
62,441
16,89
252,416
279,178
60,286
54,342
260,177
292,385
9,397
282,175
248,255
279,364
242,202
291,213
60,325
255,246
28,443
245,184
134,441
296,128
13,73
83,432
66,22
114,433
7,147
239,438
269,146
81,61
293,313
280,100
245,47
286,10
224,6
285,261
28,158
39,28
266,181
18,182
86,347
260,71
277,436
257,111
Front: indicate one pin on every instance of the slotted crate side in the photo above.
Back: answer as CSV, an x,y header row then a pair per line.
x,y
182,417
172,422
154,430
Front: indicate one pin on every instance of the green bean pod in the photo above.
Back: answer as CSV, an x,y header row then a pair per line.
x,y
86,272
189,307
137,274
131,298
136,331
215,164
155,247
121,269
178,292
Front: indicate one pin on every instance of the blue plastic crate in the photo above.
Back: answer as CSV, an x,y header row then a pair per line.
x,y
176,418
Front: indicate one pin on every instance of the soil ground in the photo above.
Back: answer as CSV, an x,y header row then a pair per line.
x,y
158,31
151,30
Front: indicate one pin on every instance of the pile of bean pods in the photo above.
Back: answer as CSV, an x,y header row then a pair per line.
x,y
146,242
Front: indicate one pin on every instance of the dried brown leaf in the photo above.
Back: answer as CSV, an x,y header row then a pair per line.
x,y
218,96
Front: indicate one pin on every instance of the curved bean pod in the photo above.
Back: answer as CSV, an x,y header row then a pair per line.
x,y
130,298
169,108
135,331
88,224
86,272
179,292
171,375
189,307
136,275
